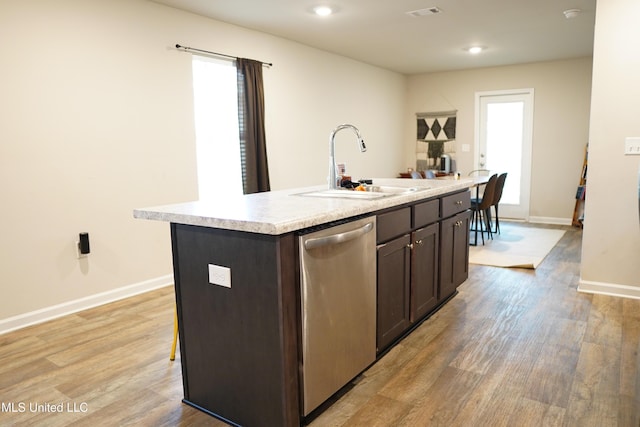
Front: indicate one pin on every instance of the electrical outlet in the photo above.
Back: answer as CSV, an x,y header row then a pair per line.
x,y
632,146
78,253
219,275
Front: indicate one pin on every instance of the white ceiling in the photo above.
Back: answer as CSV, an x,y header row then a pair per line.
x,y
379,32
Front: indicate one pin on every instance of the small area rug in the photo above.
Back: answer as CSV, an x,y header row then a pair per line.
x,y
517,246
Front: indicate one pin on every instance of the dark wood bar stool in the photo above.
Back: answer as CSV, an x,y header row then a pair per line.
x,y
480,208
497,195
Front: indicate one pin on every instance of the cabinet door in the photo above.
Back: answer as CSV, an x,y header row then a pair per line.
x,y
424,271
461,248
394,262
454,253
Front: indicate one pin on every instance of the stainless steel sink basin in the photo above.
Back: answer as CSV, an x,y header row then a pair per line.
x,y
372,192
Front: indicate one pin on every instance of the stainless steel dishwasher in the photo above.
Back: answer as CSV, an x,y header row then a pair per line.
x,y
338,297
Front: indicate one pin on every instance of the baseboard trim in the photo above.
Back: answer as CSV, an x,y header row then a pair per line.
x,y
49,313
612,289
550,220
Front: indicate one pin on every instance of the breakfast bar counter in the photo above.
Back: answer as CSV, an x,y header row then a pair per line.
x,y
238,274
284,211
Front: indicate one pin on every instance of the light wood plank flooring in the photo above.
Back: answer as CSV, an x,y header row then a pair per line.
x,y
514,348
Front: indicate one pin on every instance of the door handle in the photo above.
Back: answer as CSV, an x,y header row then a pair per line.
x,y
338,238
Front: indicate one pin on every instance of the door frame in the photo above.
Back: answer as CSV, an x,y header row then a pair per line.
x,y
527,143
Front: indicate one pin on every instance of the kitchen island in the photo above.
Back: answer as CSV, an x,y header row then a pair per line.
x,y
237,282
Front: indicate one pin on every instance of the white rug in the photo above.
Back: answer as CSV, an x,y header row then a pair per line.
x,y
516,246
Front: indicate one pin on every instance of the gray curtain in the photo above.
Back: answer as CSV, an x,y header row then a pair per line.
x,y
253,146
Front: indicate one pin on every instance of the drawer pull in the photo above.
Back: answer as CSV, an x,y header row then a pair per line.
x,y
459,202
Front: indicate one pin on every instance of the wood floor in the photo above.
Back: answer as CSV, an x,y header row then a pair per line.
x,y
514,348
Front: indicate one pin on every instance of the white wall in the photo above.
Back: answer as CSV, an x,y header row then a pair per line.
x,y
611,240
309,93
561,122
96,119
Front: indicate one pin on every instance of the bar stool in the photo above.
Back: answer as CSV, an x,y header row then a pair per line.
x,y
175,336
497,195
481,208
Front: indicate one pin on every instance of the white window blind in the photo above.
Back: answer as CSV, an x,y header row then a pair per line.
x,y
215,94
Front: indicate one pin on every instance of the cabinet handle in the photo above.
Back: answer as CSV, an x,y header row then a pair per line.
x,y
418,242
458,223
410,245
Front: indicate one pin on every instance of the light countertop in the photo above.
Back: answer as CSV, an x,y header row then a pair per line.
x,y
283,211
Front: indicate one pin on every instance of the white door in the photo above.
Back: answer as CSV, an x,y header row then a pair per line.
x,y
504,128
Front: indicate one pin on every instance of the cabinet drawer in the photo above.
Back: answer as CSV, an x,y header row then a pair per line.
x,y
455,203
426,213
393,224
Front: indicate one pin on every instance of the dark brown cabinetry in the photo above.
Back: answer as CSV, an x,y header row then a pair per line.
x,y
240,342
424,271
421,261
394,280
454,243
454,253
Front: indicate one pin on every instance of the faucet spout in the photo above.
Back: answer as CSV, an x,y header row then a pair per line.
x,y
333,168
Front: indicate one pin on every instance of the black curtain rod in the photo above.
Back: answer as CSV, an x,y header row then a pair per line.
x,y
268,64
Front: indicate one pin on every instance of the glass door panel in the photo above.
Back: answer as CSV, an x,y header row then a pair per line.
x,y
503,144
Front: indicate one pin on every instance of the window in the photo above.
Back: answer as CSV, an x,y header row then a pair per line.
x,y
215,94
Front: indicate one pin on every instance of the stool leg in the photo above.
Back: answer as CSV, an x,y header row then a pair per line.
x,y
475,226
487,214
482,219
175,336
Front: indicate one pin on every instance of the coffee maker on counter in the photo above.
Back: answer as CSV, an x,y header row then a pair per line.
x,y
445,163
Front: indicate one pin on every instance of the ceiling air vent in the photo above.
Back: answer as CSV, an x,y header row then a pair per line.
x,y
424,12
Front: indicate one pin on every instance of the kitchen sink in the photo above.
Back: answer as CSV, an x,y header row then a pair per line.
x,y
372,192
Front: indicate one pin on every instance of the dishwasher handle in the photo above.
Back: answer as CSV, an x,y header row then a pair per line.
x,y
338,238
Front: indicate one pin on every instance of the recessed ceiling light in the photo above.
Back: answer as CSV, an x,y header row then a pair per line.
x,y
322,10
474,50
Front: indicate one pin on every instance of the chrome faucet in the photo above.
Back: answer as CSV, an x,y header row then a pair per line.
x,y
333,174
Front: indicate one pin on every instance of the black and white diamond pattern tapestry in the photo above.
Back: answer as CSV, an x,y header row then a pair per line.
x,y
437,128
